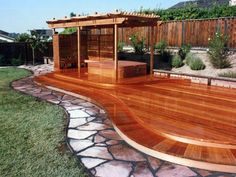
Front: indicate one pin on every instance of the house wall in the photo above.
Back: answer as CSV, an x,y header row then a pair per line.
x,y
6,39
232,2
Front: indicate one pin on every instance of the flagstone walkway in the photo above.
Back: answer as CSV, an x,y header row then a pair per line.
x,y
92,139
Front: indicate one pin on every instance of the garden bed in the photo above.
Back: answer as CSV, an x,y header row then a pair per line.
x,y
162,64
209,70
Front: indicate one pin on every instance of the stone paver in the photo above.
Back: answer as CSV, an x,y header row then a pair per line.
x,y
123,152
92,138
142,169
92,162
172,170
114,169
79,145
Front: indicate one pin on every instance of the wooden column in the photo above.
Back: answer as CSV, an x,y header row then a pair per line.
x,y
79,54
56,51
151,49
115,51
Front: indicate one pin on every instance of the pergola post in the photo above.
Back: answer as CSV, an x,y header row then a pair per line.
x,y
115,50
56,51
152,49
78,41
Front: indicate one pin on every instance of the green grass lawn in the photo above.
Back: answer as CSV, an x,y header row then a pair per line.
x,y
31,134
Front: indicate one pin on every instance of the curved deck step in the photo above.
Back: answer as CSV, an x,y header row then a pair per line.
x,y
108,83
142,134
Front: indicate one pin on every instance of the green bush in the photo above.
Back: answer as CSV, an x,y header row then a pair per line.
x,y
197,64
3,61
218,50
120,46
161,47
189,57
184,50
177,62
194,62
16,62
138,44
230,74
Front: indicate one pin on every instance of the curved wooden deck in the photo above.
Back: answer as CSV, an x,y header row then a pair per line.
x,y
172,119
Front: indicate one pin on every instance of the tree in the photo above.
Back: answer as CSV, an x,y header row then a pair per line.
x,y
35,41
69,31
192,12
22,37
72,14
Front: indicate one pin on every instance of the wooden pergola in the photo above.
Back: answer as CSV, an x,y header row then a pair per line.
x,y
108,20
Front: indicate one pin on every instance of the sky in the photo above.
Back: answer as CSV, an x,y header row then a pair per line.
x,y
23,15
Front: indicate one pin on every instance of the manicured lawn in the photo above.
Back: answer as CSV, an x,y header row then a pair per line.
x,y
31,134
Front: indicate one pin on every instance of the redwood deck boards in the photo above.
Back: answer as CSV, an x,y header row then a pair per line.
x,y
172,119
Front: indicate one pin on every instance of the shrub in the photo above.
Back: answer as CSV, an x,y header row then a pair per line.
x,y
197,64
184,50
120,46
16,62
194,62
161,47
138,44
3,61
218,51
230,74
177,61
188,58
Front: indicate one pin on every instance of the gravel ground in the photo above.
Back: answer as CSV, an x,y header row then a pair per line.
x,y
209,70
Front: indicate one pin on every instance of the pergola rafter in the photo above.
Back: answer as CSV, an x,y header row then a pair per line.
x,y
124,18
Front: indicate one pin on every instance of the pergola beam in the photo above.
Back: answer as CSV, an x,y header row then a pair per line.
x,y
129,24
97,22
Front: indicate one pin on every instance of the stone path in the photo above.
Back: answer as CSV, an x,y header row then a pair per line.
x,y
91,137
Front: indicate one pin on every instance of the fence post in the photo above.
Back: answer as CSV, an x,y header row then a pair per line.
x,y
183,30
148,28
122,34
225,29
26,53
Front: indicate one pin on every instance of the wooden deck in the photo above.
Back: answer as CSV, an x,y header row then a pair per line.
x,y
172,119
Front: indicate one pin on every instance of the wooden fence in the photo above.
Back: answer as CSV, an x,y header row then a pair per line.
x,y
23,51
193,32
